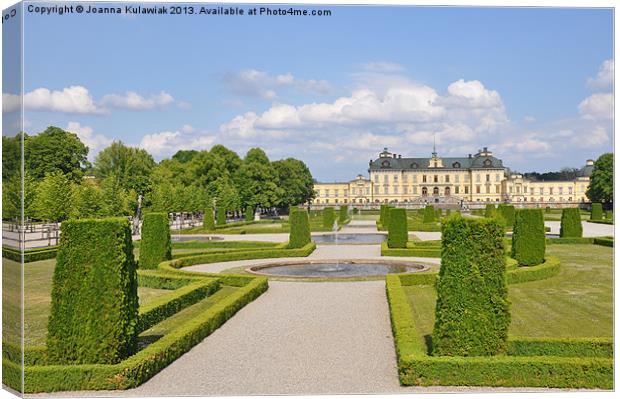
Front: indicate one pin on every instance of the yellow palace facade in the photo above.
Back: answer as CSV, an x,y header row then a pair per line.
x,y
475,179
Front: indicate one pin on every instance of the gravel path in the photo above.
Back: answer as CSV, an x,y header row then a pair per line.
x,y
589,229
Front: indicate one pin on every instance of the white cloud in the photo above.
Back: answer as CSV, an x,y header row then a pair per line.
x,y
133,100
594,138
383,66
94,142
598,106
10,102
255,83
167,143
187,129
605,76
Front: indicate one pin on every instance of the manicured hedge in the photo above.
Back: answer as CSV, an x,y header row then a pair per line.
x,y
528,237
489,210
507,212
329,217
137,369
412,249
383,214
397,229
609,215
170,304
221,216
208,222
544,362
94,300
472,313
570,240
30,255
549,268
164,281
570,225
343,213
604,221
249,213
300,229
429,214
596,212
155,244
604,241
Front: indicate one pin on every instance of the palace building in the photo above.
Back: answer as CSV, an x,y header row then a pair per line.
x,y
475,179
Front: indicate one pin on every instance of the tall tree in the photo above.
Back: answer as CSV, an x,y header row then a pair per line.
x,y
11,156
116,201
132,166
86,201
601,188
257,180
55,150
53,199
295,180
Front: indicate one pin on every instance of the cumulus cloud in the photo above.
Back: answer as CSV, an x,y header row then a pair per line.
x,y
167,143
255,83
78,100
94,142
598,106
605,76
593,138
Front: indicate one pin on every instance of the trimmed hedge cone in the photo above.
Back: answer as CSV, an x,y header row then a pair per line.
x,y
508,214
570,225
429,214
94,310
329,217
397,229
597,211
489,211
155,245
528,237
208,222
300,229
473,312
344,213
221,216
249,213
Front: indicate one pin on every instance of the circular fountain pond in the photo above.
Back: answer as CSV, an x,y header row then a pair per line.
x,y
337,269
349,238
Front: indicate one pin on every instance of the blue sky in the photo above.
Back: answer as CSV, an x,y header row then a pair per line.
x,y
534,85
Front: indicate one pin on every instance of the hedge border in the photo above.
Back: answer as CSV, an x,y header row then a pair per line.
x,y
411,250
140,367
604,241
416,367
30,255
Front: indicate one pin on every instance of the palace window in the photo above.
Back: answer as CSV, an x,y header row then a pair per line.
x,y
404,189
457,179
447,178
415,189
497,189
424,191
367,191
405,179
376,190
466,189
488,178
478,189
488,189
318,193
456,189
336,193
542,191
376,178
497,178
510,189
456,165
550,190
346,193
560,190
385,190
327,193
466,178
415,178
570,190
414,165
395,178
395,189
385,178
435,179
423,178
336,200
477,178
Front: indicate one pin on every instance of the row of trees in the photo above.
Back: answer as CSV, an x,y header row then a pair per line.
x,y
60,182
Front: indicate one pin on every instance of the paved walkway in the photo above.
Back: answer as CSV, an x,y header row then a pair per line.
x,y
589,229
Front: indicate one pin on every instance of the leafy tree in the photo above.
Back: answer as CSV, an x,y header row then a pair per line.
x,y
162,198
257,180
232,162
131,166
53,198
116,201
55,150
225,193
601,188
184,156
295,180
11,156
86,201
12,197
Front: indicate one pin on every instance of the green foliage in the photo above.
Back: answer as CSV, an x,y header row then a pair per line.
x,y
249,213
472,313
295,180
601,187
221,216
429,214
397,229
597,211
257,180
55,151
609,215
300,229
329,217
12,196
53,198
11,156
155,244
563,347
507,212
30,255
489,211
116,201
549,268
131,166
343,213
86,201
528,237
94,308
547,209
604,241
412,249
570,225
208,222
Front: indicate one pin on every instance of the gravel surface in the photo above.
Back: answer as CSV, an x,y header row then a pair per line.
x,y
589,229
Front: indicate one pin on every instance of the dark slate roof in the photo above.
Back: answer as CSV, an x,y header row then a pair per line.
x,y
586,171
452,163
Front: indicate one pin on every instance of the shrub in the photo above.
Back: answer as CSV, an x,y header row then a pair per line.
x,y
329,217
528,237
221,216
604,241
508,214
155,245
472,312
344,213
547,209
429,214
597,211
489,211
292,208
570,225
30,255
300,229
397,229
94,305
448,211
208,222
384,216
249,213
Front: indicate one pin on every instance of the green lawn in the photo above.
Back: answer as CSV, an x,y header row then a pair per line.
x,y
556,214
576,303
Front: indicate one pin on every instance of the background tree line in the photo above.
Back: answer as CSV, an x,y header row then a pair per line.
x,y
60,182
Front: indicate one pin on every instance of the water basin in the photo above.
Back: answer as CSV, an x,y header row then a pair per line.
x,y
345,268
349,238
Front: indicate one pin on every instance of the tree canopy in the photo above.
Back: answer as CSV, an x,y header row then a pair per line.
x,y
601,188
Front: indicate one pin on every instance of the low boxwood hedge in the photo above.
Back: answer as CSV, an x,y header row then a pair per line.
x,y
569,240
412,249
596,213
530,362
140,367
604,241
30,255
601,221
